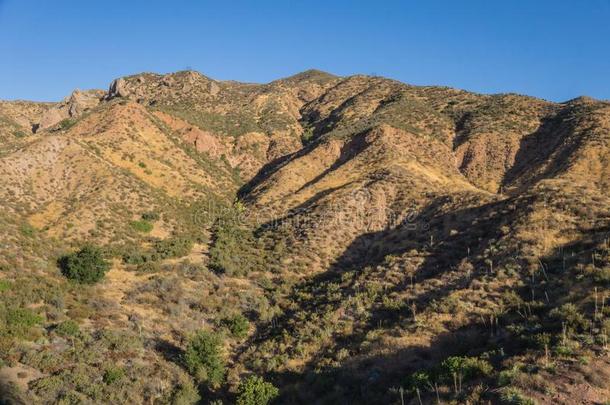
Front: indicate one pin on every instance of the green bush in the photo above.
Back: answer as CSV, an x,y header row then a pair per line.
x,y
506,377
161,249
203,358
66,124
135,256
238,325
466,367
513,396
185,394
235,251
571,315
18,321
5,285
87,266
255,391
112,375
67,328
418,380
173,247
27,230
602,275
142,226
149,267
307,136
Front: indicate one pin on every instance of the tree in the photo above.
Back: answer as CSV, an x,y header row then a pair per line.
x,y
203,358
255,391
87,266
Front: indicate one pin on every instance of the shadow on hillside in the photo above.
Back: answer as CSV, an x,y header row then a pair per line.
x,y
349,150
270,168
168,350
455,235
10,394
546,146
367,380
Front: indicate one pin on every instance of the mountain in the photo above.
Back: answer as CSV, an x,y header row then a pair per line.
x,y
349,239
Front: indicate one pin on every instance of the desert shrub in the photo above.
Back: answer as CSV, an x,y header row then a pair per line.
x,y
150,216
238,325
513,396
112,375
542,340
172,247
571,315
27,230
185,394
203,358
5,285
602,275
66,124
466,367
161,249
87,266
307,136
67,328
418,380
17,322
141,226
149,267
506,377
255,391
235,251
134,256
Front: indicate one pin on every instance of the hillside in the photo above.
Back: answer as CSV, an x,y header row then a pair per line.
x,y
349,239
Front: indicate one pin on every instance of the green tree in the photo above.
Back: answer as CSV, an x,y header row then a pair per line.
x,y
87,266
203,358
255,391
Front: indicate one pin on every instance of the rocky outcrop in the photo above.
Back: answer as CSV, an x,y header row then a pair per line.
x,y
72,106
118,88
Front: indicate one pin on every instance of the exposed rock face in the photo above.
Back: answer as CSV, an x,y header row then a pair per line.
x,y
118,88
71,107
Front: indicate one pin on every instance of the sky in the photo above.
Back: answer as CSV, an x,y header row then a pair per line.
x,y
555,49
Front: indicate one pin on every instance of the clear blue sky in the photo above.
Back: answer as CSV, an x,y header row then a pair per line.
x,y
554,49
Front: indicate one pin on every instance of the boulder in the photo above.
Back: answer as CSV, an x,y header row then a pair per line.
x,y
118,88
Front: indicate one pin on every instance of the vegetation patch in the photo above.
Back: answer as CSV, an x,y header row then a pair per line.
x,y
87,266
203,358
142,226
256,391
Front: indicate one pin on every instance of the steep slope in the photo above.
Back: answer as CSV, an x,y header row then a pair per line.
x,y
266,116
391,207
105,169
